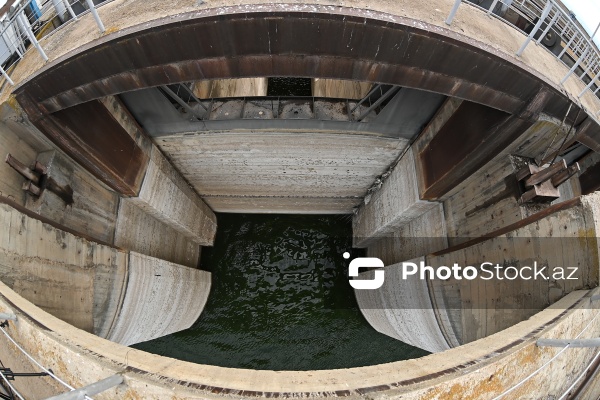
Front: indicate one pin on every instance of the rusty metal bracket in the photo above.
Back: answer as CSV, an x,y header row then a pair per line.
x,y
541,184
37,180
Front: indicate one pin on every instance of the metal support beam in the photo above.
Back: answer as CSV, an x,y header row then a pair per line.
x,y
9,317
537,26
371,92
392,91
453,12
595,342
182,103
90,390
94,12
24,25
193,96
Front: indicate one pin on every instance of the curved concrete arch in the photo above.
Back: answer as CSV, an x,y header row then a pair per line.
x,y
376,47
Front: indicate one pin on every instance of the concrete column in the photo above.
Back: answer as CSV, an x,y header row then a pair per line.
x,y
396,203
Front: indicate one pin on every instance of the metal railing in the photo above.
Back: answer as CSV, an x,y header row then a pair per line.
x,y
27,21
546,22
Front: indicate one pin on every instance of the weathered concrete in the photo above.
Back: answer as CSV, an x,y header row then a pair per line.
x,y
402,309
487,200
394,205
94,208
245,87
166,196
565,236
125,296
141,232
67,276
423,235
333,171
161,298
485,368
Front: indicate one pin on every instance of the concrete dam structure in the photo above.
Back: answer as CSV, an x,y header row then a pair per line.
x,y
461,137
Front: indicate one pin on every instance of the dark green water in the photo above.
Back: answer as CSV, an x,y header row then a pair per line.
x,y
280,300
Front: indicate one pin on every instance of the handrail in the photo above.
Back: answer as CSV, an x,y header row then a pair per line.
x,y
18,31
578,44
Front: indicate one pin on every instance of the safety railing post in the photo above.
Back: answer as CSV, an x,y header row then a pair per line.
x,y
453,12
70,9
574,67
537,26
491,9
552,21
24,25
94,12
592,82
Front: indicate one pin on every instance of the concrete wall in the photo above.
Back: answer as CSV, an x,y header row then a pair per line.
x,y
482,369
469,310
423,235
141,232
279,169
94,209
126,296
161,298
487,200
166,196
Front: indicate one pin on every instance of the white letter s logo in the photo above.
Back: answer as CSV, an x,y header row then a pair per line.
x,y
366,262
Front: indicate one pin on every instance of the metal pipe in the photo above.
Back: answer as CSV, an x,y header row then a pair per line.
x,y
595,342
574,67
94,12
6,316
453,12
545,13
90,390
22,169
24,24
